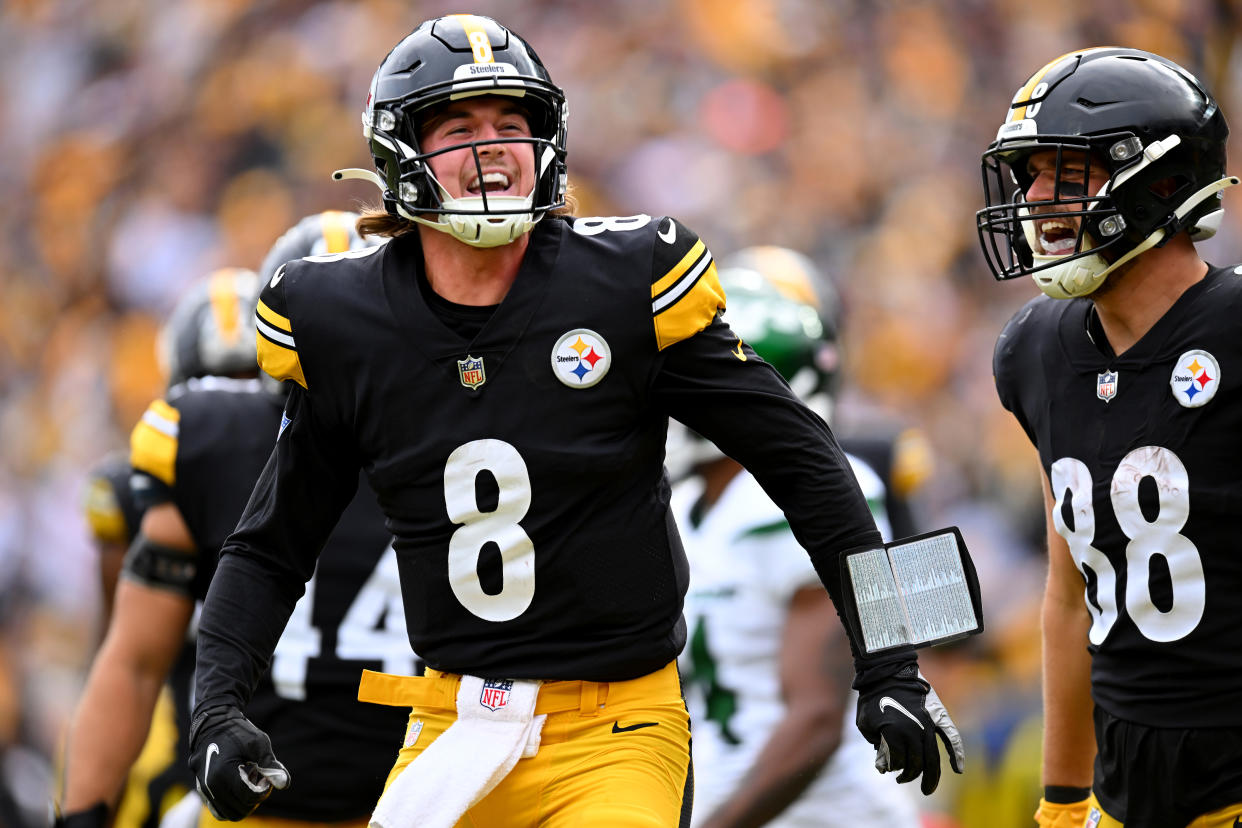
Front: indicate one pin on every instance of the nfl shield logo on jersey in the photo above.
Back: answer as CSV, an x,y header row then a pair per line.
x,y
1106,385
471,371
495,694
1093,819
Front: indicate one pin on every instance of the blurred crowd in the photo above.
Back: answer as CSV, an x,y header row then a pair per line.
x,y
144,144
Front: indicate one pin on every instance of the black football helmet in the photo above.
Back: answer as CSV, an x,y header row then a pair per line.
x,y
1160,137
449,58
211,330
319,234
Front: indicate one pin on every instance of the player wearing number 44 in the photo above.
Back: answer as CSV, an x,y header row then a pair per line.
x,y
196,455
504,373
1129,388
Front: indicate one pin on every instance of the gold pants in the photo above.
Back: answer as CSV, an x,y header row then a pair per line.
x,y
613,755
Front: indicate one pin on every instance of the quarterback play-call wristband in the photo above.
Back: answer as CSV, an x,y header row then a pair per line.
x,y
912,592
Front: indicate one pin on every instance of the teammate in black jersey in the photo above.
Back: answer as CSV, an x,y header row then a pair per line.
x,y
504,374
159,776
1107,170
196,455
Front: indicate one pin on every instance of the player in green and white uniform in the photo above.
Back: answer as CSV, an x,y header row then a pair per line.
x,y
767,667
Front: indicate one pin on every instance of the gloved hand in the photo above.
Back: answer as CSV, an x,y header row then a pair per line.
x,y
232,762
96,817
901,715
1062,814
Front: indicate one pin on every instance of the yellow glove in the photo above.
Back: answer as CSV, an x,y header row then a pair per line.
x,y
1059,815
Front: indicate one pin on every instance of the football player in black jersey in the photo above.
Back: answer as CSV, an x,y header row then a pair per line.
x,y
504,374
158,777
196,455
1107,170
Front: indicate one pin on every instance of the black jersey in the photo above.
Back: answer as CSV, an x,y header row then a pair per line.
x,y
114,516
203,449
522,471
1143,457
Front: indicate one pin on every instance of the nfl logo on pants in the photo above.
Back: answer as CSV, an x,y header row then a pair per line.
x,y
495,694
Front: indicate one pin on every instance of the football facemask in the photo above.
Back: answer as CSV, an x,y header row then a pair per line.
x,y
449,59
1151,126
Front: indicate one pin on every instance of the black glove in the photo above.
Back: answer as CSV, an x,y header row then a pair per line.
x,y
901,715
232,762
96,817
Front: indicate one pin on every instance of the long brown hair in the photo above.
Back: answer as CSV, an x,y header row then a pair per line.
x,y
376,221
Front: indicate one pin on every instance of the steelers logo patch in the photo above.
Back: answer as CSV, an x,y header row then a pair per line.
x,y
581,358
1196,376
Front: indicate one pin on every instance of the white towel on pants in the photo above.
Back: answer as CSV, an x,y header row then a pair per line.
x,y
496,726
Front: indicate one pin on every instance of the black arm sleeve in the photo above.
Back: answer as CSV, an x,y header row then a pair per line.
x,y
750,413
308,481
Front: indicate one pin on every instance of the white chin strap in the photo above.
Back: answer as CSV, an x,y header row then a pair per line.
x,y
1083,275
478,230
481,230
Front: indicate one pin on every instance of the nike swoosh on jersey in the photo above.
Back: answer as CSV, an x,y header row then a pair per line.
x,y
212,750
737,352
617,728
277,276
889,701
670,236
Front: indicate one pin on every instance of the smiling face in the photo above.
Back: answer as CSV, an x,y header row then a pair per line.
x,y
1079,175
508,169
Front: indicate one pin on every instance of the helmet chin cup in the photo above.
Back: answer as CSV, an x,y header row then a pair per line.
x,y
1071,278
488,230
472,226
1083,275
479,229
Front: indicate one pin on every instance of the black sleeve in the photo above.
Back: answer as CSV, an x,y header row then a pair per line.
x,y
1007,370
310,478
717,386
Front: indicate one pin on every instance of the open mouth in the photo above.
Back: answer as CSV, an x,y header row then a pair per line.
x,y
492,182
1057,237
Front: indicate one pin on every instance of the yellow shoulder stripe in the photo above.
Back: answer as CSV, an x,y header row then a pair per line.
x,y
153,443
273,318
104,514
280,362
691,310
669,279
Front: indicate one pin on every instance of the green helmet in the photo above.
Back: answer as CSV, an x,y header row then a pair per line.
x,y
785,321
785,332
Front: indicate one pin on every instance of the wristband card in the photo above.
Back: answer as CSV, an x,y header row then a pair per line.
x,y
915,591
